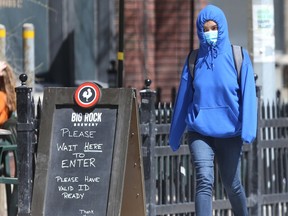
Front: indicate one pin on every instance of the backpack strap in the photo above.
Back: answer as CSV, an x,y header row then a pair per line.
x,y
191,61
237,55
238,59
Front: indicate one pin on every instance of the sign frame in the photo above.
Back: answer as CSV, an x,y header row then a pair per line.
x,y
126,190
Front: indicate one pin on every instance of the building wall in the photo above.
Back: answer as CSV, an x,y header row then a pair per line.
x,y
173,26
135,49
158,37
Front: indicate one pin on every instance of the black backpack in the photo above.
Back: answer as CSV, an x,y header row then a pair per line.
x,y
237,55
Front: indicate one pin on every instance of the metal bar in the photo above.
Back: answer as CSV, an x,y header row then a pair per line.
x,y
166,150
187,207
263,144
274,198
8,180
162,128
192,14
277,122
24,151
121,42
147,116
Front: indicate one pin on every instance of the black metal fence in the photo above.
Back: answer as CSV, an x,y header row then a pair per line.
x,y
169,176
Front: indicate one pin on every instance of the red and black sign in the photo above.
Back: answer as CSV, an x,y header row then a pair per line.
x,y
87,95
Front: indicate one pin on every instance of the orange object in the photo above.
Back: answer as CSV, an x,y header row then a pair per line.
x,y
4,112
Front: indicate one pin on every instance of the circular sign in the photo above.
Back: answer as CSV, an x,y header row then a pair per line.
x,y
87,94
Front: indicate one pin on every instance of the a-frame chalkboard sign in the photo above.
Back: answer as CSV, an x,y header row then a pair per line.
x,y
88,159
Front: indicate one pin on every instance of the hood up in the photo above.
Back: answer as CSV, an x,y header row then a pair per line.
x,y
223,44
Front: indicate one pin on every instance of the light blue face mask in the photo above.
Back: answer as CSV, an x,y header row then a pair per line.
x,y
211,37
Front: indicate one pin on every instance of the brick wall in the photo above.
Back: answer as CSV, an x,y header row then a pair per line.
x,y
173,25
157,41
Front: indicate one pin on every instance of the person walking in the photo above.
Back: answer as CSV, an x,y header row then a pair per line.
x,y
218,110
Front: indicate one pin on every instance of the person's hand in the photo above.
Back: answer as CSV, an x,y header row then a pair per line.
x,y
3,66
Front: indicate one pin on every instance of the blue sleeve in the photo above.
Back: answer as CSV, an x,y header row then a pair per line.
x,y
183,98
249,100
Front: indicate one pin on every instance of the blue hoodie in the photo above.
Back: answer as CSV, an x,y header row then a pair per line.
x,y
214,104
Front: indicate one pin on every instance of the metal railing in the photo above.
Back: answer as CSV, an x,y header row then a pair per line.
x,y
170,177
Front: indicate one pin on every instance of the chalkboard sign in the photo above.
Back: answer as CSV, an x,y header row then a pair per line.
x,y
84,155
81,155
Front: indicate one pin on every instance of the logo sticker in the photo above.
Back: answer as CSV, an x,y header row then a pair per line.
x,y
87,94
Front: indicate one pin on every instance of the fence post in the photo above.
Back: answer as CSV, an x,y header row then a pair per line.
x,y
148,122
255,158
25,131
29,53
2,42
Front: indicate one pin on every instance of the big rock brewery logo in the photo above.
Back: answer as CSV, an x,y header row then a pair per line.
x,y
87,95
